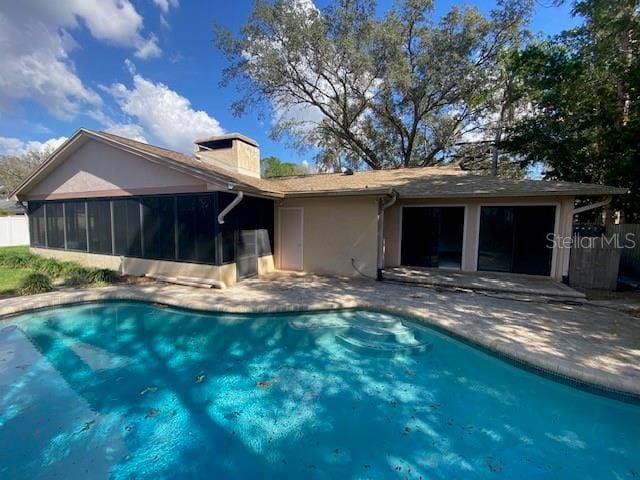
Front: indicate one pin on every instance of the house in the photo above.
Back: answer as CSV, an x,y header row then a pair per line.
x,y
109,201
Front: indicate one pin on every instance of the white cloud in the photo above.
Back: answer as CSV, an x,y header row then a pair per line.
x,y
129,130
149,49
165,114
165,4
15,146
36,44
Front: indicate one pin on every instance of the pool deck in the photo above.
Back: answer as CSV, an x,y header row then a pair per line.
x,y
592,344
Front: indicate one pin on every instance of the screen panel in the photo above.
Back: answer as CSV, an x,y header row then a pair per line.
x,y
127,231
55,225
76,225
158,221
99,223
36,224
196,228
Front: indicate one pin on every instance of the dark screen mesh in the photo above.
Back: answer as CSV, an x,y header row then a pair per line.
x,y
76,224
99,226
158,220
36,224
126,221
55,225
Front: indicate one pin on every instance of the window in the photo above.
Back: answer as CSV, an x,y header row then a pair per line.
x,y
196,228
55,225
76,224
126,221
158,221
99,226
36,224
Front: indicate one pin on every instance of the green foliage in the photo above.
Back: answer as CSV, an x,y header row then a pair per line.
x,y
14,169
386,91
584,86
69,273
35,283
274,167
4,212
104,275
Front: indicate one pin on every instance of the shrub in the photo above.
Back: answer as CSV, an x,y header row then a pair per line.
x,y
104,275
35,283
76,279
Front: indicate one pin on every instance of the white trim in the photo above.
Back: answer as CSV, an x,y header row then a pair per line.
x,y
437,205
279,249
556,226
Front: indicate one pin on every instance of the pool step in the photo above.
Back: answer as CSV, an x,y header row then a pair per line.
x,y
389,348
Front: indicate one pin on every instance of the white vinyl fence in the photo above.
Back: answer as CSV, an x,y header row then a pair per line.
x,y
14,230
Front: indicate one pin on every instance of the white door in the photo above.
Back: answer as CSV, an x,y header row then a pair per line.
x,y
290,238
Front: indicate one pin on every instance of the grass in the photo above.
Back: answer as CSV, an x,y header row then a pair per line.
x,y
17,263
11,279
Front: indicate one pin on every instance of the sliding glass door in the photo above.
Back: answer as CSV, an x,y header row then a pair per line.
x,y
515,239
432,236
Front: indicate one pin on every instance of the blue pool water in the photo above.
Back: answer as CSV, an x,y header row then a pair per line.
x,y
129,390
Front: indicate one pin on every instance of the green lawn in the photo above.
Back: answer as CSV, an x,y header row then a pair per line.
x,y
17,263
10,279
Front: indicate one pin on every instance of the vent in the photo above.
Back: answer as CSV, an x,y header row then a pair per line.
x,y
216,144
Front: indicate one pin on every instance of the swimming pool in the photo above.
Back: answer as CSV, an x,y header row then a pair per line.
x,y
130,390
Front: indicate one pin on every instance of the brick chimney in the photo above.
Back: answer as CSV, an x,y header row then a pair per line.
x,y
233,152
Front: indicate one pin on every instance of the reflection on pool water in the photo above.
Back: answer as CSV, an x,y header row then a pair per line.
x,y
129,390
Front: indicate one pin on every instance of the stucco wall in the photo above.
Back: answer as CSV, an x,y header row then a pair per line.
x,y
335,231
141,266
97,169
563,226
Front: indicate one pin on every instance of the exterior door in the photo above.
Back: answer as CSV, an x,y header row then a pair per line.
x,y
516,239
290,238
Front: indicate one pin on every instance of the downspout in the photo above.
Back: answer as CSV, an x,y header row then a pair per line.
x,y
381,208
575,211
231,206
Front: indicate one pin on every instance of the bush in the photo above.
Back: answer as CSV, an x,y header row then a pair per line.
x,y
103,275
35,283
76,279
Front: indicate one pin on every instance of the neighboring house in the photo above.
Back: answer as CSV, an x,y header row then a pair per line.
x,y
14,227
110,201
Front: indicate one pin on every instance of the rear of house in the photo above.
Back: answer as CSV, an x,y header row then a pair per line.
x,y
109,201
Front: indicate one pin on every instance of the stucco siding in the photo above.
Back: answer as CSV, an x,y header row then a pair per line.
x,y
563,225
336,231
98,169
141,266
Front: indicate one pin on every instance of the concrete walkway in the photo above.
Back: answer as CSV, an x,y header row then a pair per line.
x,y
482,281
595,345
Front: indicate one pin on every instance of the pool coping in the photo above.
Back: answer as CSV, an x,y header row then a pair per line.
x,y
566,372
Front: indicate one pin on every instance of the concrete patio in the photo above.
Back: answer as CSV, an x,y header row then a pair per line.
x,y
588,343
482,281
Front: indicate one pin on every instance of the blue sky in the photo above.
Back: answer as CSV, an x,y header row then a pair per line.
x,y
147,69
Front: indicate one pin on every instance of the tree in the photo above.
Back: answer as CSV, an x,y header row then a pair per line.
x,y
15,168
387,92
274,167
584,87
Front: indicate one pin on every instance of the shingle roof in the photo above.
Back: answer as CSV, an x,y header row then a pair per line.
x,y
423,182
440,181
191,161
